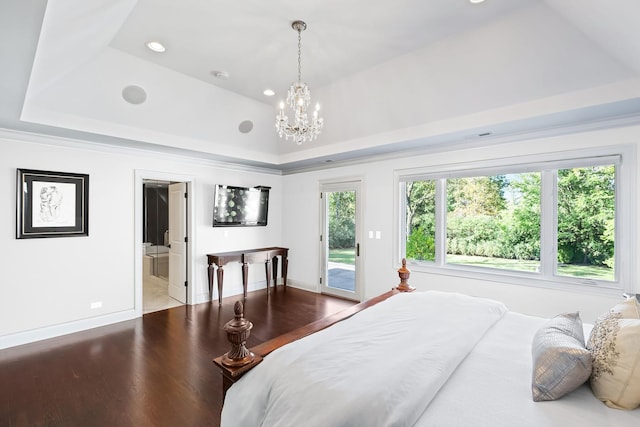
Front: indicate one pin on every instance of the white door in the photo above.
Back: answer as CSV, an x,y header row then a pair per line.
x,y
340,239
177,241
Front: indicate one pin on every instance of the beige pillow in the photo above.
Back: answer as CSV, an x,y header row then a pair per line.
x,y
561,363
615,345
629,309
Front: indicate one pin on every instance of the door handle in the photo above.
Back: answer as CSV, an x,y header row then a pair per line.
x,y
357,249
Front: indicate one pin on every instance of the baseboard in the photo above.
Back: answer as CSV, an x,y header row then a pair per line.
x,y
304,286
202,298
39,334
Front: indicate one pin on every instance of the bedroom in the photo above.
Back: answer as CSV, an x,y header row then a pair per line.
x,y
584,94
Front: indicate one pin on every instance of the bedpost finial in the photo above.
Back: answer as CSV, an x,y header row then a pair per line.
x,y
238,309
238,330
404,274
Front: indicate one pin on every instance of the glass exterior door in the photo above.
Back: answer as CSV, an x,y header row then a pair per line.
x,y
340,240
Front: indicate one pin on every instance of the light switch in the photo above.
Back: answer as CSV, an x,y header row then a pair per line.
x,y
378,235
370,234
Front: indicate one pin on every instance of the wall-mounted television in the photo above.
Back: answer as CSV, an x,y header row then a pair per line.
x,y
240,206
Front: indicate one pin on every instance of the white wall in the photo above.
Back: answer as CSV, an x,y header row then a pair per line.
x,y
48,284
301,214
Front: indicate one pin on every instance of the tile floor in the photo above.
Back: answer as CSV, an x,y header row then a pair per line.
x,y
155,294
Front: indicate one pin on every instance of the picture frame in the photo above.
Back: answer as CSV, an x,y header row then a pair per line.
x,y
51,204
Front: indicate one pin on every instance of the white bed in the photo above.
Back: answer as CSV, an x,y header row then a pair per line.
x,y
424,359
492,387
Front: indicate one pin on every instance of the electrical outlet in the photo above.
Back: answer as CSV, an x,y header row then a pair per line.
x,y
96,304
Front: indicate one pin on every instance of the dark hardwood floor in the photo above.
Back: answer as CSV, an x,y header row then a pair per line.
x,y
153,371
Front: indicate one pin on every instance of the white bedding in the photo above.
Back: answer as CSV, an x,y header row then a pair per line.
x,y
492,388
469,364
380,367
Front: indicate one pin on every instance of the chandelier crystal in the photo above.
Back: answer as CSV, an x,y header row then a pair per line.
x,y
303,128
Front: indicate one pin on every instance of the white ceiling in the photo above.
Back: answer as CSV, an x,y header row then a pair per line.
x,y
390,76
254,42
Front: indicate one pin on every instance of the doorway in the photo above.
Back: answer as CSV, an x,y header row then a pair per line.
x,y
164,237
340,239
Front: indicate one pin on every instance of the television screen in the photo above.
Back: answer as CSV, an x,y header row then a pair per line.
x,y
240,206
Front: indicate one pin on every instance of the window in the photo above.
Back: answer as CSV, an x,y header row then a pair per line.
x,y
586,208
549,221
494,221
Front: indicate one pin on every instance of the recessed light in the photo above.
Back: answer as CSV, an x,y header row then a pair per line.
x,y
476,1
269,92
222,75
156,46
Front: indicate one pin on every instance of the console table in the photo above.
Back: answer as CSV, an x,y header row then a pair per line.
x,y
246,257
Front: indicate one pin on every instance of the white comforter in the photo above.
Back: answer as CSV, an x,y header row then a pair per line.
x,y
353,374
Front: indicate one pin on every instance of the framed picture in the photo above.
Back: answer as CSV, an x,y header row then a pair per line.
x,y
52,204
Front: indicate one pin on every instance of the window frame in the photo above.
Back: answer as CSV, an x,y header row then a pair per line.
x,y
547,165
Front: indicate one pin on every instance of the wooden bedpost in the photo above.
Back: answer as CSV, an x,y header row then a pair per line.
x,y
404,273
239,359
238,331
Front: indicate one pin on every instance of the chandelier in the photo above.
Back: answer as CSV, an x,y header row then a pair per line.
x,y
303,128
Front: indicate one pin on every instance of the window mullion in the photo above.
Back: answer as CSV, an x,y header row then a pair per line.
x,y
441,221
548,223
404,228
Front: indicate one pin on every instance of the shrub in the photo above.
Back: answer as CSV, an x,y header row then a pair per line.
x,y
421,245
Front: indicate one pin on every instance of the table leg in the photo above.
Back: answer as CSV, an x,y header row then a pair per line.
x,y
267,270
285,267
220,278
210,272
274,261
245,278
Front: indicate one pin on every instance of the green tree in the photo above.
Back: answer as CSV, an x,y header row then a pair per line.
x,y
499,216
421,245
586,215
473,220
483,195
341,213
521,221
420,205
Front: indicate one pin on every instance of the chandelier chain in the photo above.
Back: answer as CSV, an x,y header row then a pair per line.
x,y
299,55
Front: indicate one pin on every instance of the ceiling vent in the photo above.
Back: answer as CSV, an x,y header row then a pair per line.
x,y
134,94
245,126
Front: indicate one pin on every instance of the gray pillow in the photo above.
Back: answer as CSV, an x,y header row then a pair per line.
x,y
561,363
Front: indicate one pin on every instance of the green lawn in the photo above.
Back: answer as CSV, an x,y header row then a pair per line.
x,y
571,270
343,256
347,256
